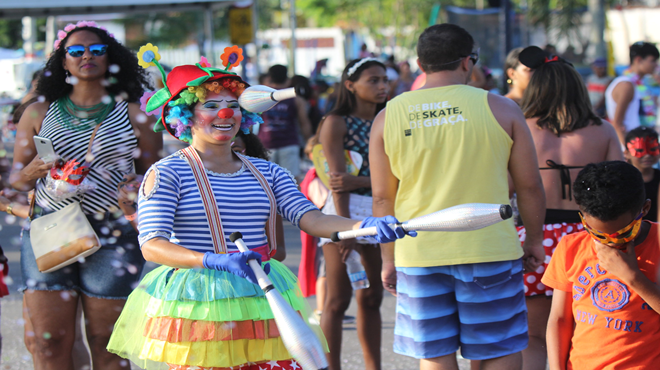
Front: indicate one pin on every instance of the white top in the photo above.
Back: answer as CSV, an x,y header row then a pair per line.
x,y
631,119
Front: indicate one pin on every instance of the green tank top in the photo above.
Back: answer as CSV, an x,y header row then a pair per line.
x,y
446,148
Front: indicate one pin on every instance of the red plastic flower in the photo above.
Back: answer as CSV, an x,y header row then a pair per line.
x,y
232,57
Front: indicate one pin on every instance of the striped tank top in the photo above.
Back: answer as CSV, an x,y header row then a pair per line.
x,y
114,148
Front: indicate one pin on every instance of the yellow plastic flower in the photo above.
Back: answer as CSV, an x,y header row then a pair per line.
x,y
232,57
147,54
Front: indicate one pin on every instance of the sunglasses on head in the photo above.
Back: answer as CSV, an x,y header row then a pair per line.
x,y
619,238
474,56
96,50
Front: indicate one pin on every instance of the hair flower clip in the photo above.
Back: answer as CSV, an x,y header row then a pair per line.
x,y
204,62
553,59
232,57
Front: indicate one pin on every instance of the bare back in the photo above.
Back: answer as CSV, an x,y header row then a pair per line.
x,y
578,148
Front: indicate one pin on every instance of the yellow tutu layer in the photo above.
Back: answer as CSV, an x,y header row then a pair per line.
x,y
215,354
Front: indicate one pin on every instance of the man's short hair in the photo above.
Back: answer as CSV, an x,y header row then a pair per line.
x,y
278,74
608,190
441,47
643,49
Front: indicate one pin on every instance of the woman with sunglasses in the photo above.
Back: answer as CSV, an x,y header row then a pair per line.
x,y
89,81
568,135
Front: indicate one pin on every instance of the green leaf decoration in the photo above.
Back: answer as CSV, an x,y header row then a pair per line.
x,y
159,127
198,81
158,99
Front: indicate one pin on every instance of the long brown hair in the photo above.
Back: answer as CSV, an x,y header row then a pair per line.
x,y
346,102
557,96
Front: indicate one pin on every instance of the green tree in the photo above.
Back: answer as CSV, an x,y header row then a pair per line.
x,y
10,33
406,18
163,29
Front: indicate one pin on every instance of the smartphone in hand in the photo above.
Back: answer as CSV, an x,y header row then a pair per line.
x,y
45,149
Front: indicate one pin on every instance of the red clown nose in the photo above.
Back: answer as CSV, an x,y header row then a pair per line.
x,y
226,113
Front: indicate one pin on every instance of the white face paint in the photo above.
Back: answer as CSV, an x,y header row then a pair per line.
x,y
218,118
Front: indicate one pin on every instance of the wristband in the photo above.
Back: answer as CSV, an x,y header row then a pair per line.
x,y
131,217
10,207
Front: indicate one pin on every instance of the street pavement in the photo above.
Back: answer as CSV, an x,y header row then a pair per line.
x,y
15,355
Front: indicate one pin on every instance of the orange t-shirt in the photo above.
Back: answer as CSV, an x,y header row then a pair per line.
x,y
614,327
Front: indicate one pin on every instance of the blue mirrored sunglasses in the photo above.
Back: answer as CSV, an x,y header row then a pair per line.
x,y
77,51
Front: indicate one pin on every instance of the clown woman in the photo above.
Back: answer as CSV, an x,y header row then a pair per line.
x,y
202,307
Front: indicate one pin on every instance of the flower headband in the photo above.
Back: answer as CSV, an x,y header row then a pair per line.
x,y
62,34
359,64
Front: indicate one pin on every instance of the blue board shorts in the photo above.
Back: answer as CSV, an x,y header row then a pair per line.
x,y
112,272
479,308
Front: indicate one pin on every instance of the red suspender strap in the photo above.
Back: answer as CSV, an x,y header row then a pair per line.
x,y
206,192
208,198
270,231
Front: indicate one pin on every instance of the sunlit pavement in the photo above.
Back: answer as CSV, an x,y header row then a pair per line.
x,y
16,356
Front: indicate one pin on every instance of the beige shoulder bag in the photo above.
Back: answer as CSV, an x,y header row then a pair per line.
x,y
63,237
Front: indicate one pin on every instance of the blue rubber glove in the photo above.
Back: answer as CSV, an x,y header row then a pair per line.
x,y
235,263
385,233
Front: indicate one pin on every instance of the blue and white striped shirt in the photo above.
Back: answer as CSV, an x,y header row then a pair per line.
x,y
174,208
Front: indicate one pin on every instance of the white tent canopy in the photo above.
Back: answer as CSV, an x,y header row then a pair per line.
x,y
45,8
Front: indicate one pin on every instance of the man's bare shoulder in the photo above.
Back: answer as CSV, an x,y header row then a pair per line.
x,y
505,111
623,91
501,102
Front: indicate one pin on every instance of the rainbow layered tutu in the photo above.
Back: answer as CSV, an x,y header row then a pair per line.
x,y
200,318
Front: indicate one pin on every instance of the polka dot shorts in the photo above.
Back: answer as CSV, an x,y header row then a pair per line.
x,y
552,234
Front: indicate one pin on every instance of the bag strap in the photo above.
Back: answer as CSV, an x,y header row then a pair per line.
x,y
271,231
91,141
208,198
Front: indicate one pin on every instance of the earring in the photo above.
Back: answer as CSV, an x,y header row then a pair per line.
x,y
68,77
509,81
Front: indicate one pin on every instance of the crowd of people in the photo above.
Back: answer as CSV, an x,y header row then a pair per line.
x,y
578,159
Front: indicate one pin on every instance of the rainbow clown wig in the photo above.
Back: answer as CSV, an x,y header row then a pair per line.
x,y
189,84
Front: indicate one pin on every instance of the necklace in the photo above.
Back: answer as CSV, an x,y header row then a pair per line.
x,y
82,118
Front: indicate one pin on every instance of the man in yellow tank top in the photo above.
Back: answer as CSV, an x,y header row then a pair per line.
x,y
440,146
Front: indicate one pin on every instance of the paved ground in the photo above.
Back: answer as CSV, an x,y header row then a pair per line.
x,y
15,356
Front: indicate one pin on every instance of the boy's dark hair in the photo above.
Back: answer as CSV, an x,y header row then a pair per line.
x,y
441,47
643,49
641,132
278,74
607,190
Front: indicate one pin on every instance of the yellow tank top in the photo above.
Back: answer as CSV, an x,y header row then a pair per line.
x,y
446,148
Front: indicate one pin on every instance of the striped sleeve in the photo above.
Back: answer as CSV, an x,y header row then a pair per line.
x,y
291,203
156,209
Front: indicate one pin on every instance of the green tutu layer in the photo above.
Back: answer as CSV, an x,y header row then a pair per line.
x,y
205,318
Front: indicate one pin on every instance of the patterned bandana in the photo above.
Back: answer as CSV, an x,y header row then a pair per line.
x,y
641,146
619,238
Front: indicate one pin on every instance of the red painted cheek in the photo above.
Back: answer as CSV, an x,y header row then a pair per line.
x,y
226,113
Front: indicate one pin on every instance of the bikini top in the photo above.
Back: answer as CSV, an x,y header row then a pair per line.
x,y
564,175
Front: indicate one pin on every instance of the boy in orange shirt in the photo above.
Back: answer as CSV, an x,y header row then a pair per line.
x,y
606,304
